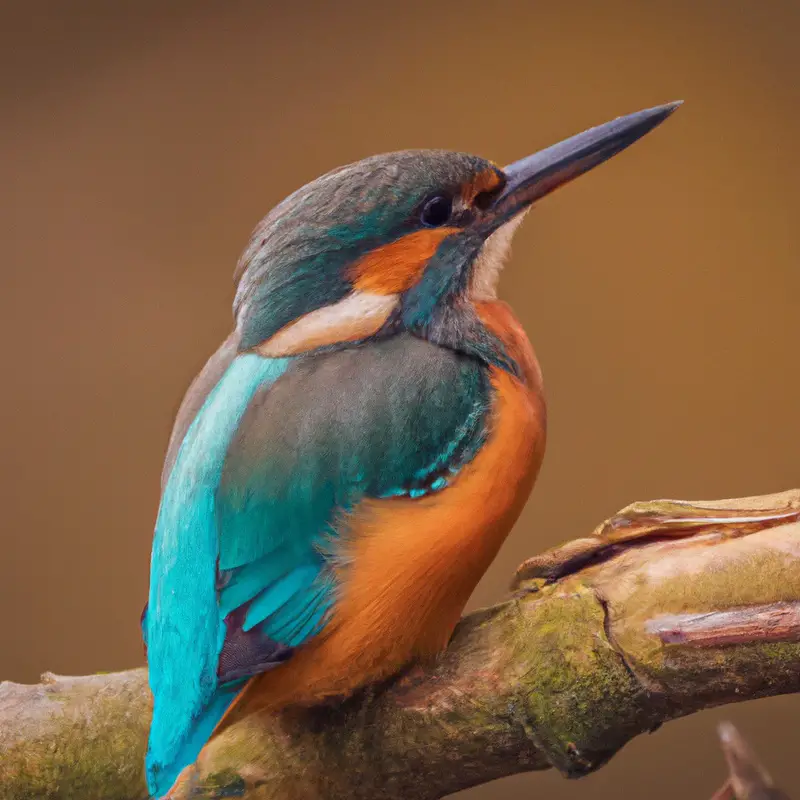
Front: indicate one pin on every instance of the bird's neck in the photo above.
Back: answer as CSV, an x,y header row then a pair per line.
x,y
485,330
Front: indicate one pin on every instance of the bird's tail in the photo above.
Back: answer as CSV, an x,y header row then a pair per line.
x,y
163,771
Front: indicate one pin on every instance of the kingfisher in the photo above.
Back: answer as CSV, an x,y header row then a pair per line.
x,y
347,464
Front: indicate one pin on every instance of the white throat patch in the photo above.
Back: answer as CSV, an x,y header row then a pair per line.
x,y
492,258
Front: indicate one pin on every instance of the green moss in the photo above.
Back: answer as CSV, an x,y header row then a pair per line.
x,y
578,694
225,783
99,756
248,742
761,578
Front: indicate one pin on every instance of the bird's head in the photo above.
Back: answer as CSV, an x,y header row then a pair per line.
x,y
406,241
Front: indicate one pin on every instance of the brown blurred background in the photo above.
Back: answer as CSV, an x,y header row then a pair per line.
x,y
141,141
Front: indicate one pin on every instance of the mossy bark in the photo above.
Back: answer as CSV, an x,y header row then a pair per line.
x,y
598,644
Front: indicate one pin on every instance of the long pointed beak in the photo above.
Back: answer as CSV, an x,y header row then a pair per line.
x,y
533,177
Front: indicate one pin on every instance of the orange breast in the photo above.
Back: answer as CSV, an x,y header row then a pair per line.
x,y
409,566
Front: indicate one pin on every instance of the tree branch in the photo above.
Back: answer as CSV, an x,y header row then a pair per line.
x,y
748,780
666,609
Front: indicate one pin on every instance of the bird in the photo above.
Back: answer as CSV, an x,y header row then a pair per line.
x,y
347,464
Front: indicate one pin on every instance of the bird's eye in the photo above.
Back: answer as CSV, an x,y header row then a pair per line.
x,y
436,211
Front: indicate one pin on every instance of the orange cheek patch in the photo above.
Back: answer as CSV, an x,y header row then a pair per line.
x,y
485,181
396,267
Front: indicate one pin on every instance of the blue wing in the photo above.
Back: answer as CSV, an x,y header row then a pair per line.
x,y
183,629
277,451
